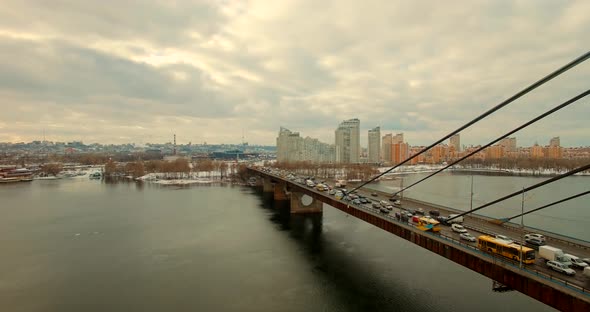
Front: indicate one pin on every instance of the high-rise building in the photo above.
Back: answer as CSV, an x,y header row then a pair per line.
x,y
455,141
509,144
554,142
348,144
374,145
399,152
291,147
537,151
386,142
398,138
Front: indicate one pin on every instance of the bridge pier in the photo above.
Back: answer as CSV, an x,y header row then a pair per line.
x,y
302,203
267,186
280,192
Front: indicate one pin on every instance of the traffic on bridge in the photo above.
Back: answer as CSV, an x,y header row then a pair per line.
x,y
543,252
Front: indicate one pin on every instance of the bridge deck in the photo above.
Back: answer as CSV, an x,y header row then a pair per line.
x,y
536,280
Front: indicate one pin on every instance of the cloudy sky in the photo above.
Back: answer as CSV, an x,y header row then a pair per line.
x,y
139,71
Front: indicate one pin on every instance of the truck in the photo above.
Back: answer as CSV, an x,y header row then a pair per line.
x,y
551,253
456,220
340,183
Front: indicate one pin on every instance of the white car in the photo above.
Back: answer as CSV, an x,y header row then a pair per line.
x,y
534,235
560,267
504,238
458,228
467,237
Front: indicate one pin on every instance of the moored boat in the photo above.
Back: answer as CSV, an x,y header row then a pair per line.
x,y
9,175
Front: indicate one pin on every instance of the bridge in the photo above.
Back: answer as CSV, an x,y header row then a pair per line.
x,y
534,280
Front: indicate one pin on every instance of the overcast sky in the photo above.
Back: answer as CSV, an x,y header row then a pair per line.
x,y
139,71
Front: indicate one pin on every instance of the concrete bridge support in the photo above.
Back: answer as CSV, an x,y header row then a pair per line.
x,y
302,203
280,192
267,186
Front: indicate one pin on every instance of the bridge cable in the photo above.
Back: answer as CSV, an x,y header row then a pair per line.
x,y
518,95
504,220
555,109
556,178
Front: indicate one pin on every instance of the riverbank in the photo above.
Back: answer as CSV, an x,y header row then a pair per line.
x,y
404,170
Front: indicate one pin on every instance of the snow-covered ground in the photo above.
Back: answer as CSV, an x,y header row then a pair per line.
x,y
182,179
515,171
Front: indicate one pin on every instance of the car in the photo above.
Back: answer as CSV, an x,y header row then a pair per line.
x,y
576,261
458,228
467,237
332,192
356,201
420,211
442,220
560,267
376,205
504,238
587,260
534,241
534,235
364,200
416,219
434,213
374,194
397,203
389,207
383,203
383,210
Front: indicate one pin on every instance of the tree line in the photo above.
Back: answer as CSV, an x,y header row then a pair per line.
x,y
177,169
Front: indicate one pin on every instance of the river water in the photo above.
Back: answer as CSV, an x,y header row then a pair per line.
x,y
85,245
571,218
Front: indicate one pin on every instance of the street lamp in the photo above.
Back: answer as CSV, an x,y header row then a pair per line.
x,y
521,225
471,201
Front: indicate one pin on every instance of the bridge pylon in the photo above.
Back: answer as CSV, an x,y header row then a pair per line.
x,y
302,203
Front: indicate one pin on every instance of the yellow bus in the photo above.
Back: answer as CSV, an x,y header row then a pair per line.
x,y
505,248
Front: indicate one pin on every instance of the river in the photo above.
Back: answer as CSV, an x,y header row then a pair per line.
x,y
571,218
87,245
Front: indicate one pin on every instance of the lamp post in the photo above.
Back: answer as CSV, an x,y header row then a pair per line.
x,y
471,201
521,226
402,189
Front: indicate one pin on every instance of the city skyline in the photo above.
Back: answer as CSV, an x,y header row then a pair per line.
x,y
216,71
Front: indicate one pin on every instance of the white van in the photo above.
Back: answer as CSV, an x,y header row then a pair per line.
x,y
577,262
456,220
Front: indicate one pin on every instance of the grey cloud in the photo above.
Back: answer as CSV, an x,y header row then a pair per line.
x,y
76,76
423,68
165,22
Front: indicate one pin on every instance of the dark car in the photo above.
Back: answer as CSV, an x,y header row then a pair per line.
x,y
376,205
434,213
442,220
405,217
